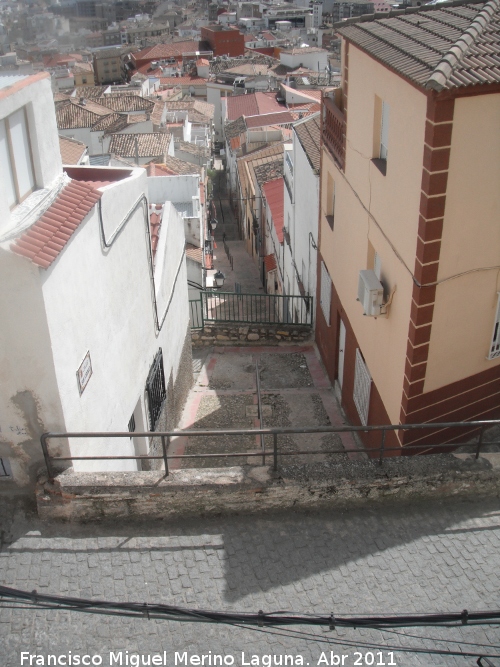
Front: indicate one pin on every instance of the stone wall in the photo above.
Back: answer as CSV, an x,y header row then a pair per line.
x,y
93,496
235,334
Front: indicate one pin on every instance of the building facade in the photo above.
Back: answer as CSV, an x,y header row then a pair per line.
x,y
88,314
408,311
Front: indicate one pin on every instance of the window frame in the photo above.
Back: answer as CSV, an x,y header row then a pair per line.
x,y
19,197
361,392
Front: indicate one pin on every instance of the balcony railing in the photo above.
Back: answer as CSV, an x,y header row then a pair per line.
x,y
334,129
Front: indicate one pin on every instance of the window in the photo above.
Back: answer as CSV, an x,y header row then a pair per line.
x,y
381,135
495,339
131,424
15,157
384,131
5,470
362,387
325,296
330,200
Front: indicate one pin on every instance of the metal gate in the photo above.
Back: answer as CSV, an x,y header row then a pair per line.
x,y
155,388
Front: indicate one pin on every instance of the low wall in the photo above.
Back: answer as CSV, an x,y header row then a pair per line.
x,y
231,334
94,496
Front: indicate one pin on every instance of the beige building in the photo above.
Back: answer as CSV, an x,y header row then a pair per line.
x,y
408,318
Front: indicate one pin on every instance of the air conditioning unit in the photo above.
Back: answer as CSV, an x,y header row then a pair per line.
x,y
370,293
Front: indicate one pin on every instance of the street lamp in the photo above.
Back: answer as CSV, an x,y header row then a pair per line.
x,y
219,278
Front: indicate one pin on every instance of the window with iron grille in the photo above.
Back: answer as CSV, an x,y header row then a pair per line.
x,y
5,471
495,339
155,388
131,424
362,387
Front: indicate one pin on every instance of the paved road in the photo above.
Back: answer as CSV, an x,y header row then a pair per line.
x,y
415,558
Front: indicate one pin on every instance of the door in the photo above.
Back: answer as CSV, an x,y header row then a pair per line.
x,y
340,359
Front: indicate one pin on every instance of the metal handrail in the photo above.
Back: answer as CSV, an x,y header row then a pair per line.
x,y
275,432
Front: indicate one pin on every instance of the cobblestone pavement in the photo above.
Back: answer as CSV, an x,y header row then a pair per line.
x,y
295,391
391,558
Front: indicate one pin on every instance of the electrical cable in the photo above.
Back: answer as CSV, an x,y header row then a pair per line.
x,y
361,644
450,619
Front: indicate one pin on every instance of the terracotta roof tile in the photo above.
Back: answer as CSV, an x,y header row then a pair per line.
x,y
441,46
274,194
172,166
252,105
71,150
71,115
270,262
309,134
149,144
162,51
263,120
44,241
194,253
125,103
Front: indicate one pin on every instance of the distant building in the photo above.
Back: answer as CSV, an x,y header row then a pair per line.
x,y
224,41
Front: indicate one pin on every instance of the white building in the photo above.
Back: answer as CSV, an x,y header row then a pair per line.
x,y
312,57
84,309
301,198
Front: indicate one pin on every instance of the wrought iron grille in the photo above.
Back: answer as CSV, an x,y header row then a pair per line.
x,y
155,388
3,469
131,424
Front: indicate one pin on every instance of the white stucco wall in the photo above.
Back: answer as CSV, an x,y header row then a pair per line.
x,y
87,285
317,60
305,218
35,94
30,402
173,188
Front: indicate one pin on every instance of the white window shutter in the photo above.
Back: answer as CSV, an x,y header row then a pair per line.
x,y
325,297
21,152
362,387
6,166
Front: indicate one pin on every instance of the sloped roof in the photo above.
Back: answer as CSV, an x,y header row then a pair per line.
x,y
152,144
125,103
257,157
162,51
45,240
71,150
446,45
235,128
270,262
194,253
71,115
264,120
274,193
91,92
252,105
157,112
188,147
182,81
172,166
106,122
269,171
309,134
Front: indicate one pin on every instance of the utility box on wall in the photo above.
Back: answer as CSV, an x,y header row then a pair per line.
x,y
370,293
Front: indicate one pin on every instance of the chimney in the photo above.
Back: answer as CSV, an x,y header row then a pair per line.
x,y
82,101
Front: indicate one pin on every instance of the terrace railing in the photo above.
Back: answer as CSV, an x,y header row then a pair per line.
x,y
380,453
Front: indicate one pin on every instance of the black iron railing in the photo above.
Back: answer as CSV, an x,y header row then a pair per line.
x,y
257,308
381,452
